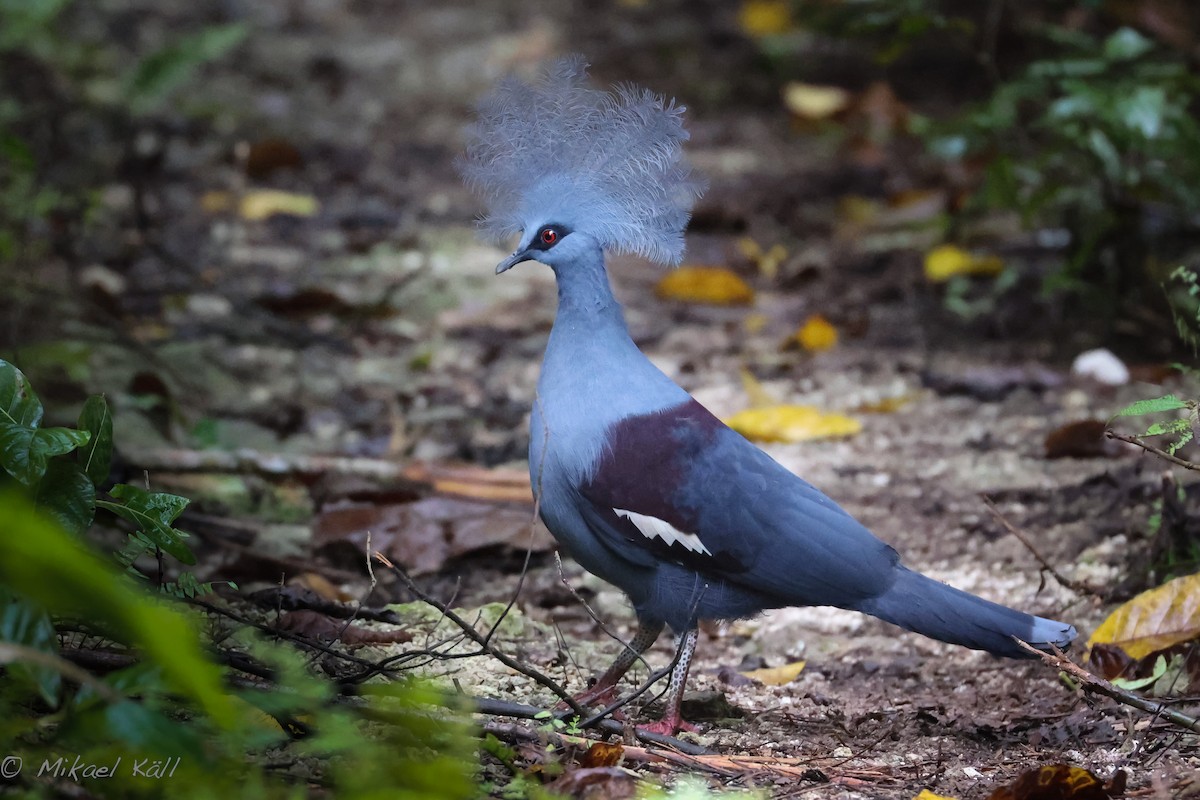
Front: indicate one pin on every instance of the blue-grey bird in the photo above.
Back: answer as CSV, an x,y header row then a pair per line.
x,y
637,481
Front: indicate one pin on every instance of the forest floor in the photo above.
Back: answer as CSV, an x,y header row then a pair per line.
x,y
374,333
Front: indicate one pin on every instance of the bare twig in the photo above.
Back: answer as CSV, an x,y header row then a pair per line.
x,y
1149,448
1093,683
503,708
474,635
1074,586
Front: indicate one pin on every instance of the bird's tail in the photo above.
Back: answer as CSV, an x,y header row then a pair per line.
x,y
929,607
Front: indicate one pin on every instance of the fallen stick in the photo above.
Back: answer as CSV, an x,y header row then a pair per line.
x,y
1094,683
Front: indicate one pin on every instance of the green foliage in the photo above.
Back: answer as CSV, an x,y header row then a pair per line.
x,y
1181,429
91,75
1087,138
395,741
174,709
1183,293
158,75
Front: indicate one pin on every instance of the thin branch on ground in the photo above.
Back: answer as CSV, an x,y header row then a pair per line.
x,y
474,635
1074,586
1092,683
1149,448
504,708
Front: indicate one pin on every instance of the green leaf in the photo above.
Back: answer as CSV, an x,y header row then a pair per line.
x,y
1126,44
52,569
19,404
164,71
142,728
22,622
96,457
25,452
153,513
1184,438
1158,404
1171,426
67,495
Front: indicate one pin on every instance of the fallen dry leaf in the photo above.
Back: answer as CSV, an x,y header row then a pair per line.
x,y
315,625
713,285
603,754
768,261
1154,620
1083,439
260,204
811,102
270,155
817,334
776,676
765,17
424,534
947,261
791,424
596,783
1061,782
469,480
321,586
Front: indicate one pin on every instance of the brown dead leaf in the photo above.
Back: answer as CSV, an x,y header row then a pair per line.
x,y
1154,620
423,535
711,285
602,754
777,676
270,155
1061,782
596,783
468,480
1083,439
321,586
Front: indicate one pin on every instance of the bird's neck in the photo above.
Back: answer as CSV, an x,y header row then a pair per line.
x,y
592,364
585,297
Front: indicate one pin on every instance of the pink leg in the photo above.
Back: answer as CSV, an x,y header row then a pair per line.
x,y
672,720
603,691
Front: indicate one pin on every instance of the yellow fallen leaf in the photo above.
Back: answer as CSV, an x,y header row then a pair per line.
x,y
886,405
765,17
810,101
216,202
263,203
928,795
1154,620
946,261
767,261
791,424
754,390
857,210
776,676
817,334
755,323
714,285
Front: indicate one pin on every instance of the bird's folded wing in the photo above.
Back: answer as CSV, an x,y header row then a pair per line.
x,y
679,486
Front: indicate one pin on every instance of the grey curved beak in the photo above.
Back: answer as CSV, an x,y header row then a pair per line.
x,y
512,261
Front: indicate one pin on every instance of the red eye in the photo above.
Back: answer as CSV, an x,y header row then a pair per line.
x,y
549,236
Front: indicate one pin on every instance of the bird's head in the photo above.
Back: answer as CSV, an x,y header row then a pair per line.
x,y
577,171
553,244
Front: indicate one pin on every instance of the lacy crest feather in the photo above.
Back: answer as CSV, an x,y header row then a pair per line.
x,y
610,164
